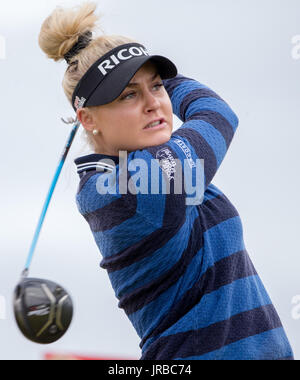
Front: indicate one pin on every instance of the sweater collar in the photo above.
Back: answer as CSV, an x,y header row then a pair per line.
x,y
92,162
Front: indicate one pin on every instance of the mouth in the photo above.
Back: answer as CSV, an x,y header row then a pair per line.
x,y
156,124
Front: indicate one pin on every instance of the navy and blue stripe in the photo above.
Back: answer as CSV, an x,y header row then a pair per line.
x,y
182,273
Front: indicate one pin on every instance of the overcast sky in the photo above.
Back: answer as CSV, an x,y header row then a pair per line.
x,y
244,50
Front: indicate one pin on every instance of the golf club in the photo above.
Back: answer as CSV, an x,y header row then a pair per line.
x,y
43,309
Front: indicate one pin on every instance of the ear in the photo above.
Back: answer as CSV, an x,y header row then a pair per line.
x,y
86,118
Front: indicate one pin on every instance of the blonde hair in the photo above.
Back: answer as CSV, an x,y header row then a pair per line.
x,y
60,32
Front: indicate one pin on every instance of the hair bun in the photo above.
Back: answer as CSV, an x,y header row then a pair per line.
x,y
66,31
83,42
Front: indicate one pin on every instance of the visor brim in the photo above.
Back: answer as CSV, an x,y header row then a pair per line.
x,y
115,83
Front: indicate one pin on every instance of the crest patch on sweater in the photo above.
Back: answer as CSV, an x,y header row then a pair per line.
x,y
167,162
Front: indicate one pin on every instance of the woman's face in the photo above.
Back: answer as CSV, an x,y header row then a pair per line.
x,y
121,124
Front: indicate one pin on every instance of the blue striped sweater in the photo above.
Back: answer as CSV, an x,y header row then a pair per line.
x,y
181,272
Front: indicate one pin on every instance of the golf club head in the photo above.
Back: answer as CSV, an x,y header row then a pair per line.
x,y
43,310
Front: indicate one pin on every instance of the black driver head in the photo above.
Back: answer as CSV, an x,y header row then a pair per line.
x,y
43,310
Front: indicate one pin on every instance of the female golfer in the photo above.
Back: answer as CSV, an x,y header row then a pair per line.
x,y
177,261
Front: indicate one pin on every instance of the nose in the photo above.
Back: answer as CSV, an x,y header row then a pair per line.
x,y
151,102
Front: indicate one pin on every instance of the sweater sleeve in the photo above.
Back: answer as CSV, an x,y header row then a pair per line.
x,y
209,122
162,184
188,162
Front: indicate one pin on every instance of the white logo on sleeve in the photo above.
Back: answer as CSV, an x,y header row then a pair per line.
x,y
186,150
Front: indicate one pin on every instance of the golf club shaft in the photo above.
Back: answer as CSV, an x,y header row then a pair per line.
x,y
49,196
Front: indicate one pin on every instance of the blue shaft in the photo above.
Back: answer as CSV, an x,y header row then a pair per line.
x,y
49,196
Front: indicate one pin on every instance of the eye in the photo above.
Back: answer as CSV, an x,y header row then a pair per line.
x,y
159,85
127,96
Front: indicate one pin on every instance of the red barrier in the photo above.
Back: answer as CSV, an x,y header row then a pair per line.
x,y
59,356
